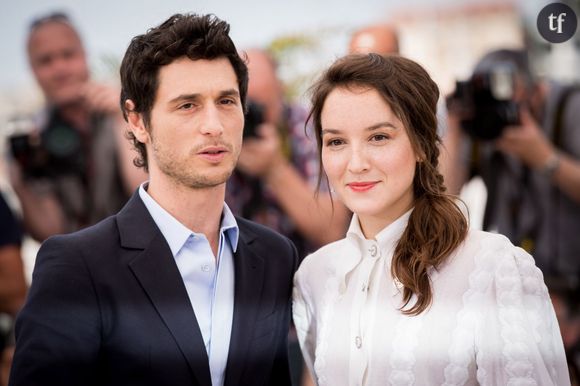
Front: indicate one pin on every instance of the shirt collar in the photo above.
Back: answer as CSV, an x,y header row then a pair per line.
x,y
386,240
176,233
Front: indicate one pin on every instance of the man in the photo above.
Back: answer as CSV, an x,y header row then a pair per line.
x,y
532,175
277,173
75,168
532,170
12,282
173,290
381,39
275,180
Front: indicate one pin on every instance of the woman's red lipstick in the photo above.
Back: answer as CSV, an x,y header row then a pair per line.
x,y
361,186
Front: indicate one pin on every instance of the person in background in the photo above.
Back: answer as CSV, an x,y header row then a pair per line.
x,y
173,289
566,306
429,302
530,166
12,282
275,179
381,39
75,167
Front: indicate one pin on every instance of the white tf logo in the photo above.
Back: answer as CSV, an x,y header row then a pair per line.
x,y
559,20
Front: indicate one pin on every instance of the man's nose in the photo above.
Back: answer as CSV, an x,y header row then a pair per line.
x,y
212,124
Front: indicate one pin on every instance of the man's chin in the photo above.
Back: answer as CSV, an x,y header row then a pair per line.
x,y
209,182
66,101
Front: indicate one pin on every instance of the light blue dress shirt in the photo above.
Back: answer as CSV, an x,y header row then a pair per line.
x,y
209,281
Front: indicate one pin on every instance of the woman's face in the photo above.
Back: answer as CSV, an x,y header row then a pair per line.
x,y
367,155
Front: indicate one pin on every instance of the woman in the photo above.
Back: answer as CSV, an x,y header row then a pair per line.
x,y
411,296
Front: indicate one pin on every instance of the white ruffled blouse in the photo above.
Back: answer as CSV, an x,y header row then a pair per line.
x,y
491,321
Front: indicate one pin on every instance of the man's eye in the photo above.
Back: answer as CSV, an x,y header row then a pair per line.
x,y
228,102
186,106
44,60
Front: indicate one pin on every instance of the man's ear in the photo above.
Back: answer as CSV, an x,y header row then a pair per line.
x,y
136,123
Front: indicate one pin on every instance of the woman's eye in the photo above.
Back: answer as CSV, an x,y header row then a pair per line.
x,y
379,137
334,142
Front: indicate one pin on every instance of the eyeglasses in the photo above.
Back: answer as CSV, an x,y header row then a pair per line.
x,y
55,16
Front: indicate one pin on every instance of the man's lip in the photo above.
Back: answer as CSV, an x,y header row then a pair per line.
x,y
213,150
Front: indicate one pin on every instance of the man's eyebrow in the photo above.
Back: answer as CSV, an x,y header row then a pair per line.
x,y
191,97
230,92
374,127
185,97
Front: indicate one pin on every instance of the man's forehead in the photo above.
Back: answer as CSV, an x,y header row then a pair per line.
x,y
53,32
201,76
197,68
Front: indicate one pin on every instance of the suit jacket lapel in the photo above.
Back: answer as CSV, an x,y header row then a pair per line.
x,y
249,272
156,271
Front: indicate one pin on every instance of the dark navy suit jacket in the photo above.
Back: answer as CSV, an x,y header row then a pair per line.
x,y
108,306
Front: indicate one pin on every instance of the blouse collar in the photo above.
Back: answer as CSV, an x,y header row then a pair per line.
x,y
383,243
387,238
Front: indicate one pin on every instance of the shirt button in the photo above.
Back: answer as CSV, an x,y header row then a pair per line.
x,y
373,250
205,268
358,342
364,287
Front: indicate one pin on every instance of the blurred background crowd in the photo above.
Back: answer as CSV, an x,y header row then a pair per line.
x,y
65,163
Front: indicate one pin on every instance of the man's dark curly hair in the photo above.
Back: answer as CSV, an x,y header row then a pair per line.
x,y
182,35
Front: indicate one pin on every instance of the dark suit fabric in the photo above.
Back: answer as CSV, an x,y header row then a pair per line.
x,y
107,306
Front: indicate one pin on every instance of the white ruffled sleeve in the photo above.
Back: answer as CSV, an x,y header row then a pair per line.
x,y
304,320
519,341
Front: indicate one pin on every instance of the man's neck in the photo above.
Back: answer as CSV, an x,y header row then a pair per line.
x,y
76,115
200,210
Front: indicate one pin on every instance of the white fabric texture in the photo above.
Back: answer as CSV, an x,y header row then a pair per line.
x,y
491,321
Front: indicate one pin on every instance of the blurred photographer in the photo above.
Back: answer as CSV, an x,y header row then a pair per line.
x,y
277,172
522,136
73,167
382,39
12,283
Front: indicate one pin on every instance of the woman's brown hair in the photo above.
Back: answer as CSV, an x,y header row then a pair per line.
x,y
436,226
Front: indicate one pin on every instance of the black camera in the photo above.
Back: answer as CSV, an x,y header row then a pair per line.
x,y
55,151
253,118
485,103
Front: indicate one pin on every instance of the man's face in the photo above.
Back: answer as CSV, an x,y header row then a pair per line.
x,y
195,133
379,39
58,62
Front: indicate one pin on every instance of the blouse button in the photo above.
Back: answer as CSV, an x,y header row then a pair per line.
x,y
373,250
358,342
205,268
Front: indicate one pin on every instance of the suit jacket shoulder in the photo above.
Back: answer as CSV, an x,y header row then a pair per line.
x,y
108,306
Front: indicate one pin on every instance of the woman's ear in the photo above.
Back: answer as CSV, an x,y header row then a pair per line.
x,y
136,123
420,156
